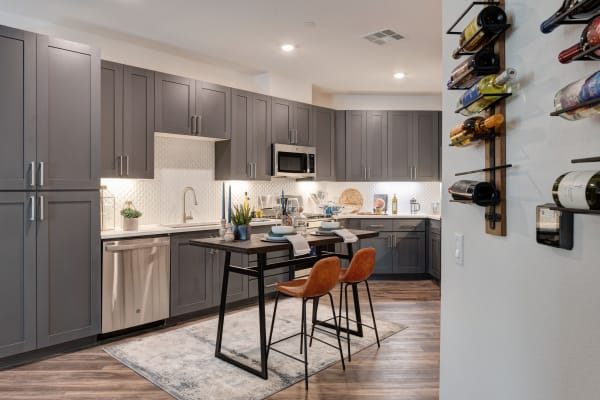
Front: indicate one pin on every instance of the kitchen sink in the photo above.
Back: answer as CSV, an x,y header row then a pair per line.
x,y
191,224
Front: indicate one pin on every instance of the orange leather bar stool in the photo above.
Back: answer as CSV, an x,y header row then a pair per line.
x,y
360,269
322,279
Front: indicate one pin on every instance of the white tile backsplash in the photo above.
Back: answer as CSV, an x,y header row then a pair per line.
x,y
180,162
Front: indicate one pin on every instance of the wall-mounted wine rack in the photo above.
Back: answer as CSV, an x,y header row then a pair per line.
x,y
495,142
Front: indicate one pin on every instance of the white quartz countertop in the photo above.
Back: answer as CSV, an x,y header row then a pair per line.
x,y
391,216
151,230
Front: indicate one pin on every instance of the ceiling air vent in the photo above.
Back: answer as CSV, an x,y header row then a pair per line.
x,y
383,37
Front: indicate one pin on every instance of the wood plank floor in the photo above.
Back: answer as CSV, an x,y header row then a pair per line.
x,y
405,367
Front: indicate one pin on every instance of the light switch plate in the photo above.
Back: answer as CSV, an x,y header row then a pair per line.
x,y
459,252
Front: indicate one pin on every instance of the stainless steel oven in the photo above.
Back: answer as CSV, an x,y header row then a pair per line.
x,y
135,282
294,161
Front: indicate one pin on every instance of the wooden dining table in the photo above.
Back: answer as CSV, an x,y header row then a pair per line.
x,y
258,246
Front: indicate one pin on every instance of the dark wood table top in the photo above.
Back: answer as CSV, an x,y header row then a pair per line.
x,y
256,245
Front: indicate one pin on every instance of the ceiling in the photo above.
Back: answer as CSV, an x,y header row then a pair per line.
x,y
246,35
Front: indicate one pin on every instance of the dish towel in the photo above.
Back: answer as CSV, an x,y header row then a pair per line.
x,y
345,234
299,244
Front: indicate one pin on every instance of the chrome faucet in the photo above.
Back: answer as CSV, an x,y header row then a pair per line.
x,y
186,216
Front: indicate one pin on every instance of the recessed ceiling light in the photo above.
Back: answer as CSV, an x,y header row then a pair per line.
x,y
288,48
399,75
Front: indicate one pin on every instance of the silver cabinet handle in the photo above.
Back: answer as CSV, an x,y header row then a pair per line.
x,y
415,172
42,213
199,125
365,173
254,175
127,166
32,216
369,172
376,226
42,164
193,125
120,158
290,136
32,166
295,136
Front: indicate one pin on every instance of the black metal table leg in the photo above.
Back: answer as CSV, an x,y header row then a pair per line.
x,y
223,303
262,264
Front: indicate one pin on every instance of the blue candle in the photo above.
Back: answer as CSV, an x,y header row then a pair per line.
x,y
229,217
223,202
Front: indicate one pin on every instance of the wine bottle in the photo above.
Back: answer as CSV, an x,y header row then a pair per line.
x,y
467,73
579,190
471,129
394,204
570,10
490,21
481,193
576,93
590,37
488,85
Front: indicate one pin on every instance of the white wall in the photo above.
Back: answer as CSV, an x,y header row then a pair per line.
x,y
520,320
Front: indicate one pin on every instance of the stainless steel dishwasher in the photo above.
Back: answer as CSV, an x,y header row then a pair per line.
x,y
135,282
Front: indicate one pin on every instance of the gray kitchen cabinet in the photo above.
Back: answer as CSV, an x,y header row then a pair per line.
x,y
426,148
192,279
399,149
127,121
356,128
291,122
435,249
213,109
324,132
340,146
174,104
17,275
237,286
68,266
385,262
410,252
376,145
244,157
68,115
17,109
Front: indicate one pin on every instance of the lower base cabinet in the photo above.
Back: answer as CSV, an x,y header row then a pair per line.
x,y
435,250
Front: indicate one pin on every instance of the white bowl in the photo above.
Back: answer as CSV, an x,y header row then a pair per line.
x,y
282,230
330,225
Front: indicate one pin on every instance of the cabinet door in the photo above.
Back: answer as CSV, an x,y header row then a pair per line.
x,y
426,138
356,128
303,125
399,148
376,145
213,106
261,136
324,140
282,122
340,146
410,252
68,114
383,245
237,286
435,262
233,157
68,266
191,276
174,104
111,118
17,275
138,123
17,109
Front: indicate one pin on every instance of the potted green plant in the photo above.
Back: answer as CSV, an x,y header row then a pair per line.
x,y
130,217
241,217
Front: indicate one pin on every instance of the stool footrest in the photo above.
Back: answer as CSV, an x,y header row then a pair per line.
x,y
349,319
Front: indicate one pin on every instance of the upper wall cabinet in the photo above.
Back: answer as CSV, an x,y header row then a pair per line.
x,y
426,146
127,121
190,107
324,133
291,122
18,161
246,156
68,115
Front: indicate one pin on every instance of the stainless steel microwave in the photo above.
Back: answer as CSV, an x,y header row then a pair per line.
x,y
293,161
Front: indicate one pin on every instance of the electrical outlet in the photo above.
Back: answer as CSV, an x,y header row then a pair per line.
x,y
459,252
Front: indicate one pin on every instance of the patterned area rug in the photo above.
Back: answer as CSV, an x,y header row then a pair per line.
x,y
182,361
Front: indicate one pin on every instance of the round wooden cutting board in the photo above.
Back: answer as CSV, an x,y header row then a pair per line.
x,y
351,197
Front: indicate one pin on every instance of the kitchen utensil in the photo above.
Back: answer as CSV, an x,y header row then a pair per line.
x,y
351,197
414,206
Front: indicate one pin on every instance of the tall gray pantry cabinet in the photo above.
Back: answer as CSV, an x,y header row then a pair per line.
x,y
49,201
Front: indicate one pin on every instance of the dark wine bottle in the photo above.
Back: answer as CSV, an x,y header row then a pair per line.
x,y
481,193
577,93
571,9
590,37
467,73
490,21
579,190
